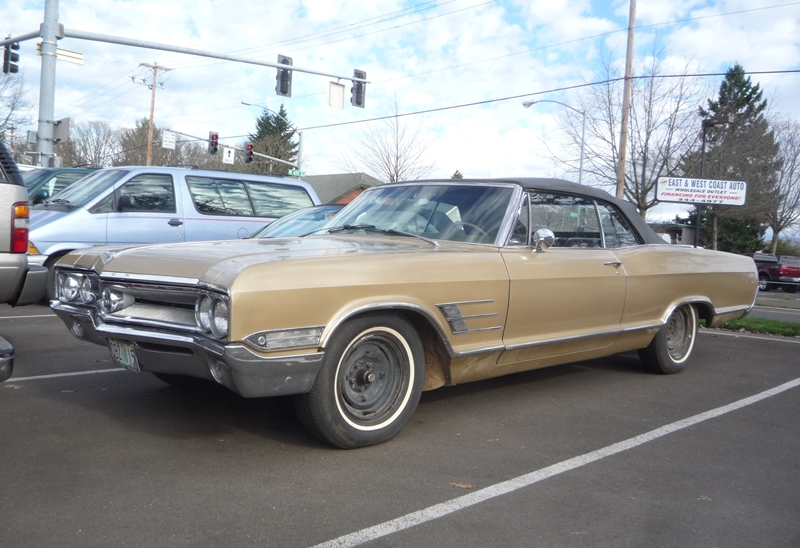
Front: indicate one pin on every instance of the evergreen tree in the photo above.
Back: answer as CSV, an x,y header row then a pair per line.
x,y
457,175
273,137
745,150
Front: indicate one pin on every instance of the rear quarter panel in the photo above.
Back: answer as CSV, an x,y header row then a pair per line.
x,y
662,277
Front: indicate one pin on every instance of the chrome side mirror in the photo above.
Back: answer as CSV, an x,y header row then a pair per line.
x,y
543,239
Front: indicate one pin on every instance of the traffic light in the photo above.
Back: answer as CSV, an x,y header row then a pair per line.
x,y
11,58
213,142
283,85
358,92
248,155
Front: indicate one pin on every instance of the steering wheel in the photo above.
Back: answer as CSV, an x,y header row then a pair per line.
x,y
461,225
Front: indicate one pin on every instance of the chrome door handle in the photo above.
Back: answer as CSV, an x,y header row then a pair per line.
x,y
615,264
175,222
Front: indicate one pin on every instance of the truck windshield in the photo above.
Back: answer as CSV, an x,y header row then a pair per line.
x,y
88,188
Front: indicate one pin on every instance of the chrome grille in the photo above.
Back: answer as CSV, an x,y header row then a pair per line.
x,y
155,313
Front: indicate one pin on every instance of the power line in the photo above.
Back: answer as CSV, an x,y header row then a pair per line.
x,y
566,88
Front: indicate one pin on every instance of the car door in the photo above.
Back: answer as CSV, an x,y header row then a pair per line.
x,y
569,298
146,210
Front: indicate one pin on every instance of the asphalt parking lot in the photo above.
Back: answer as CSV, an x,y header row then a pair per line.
x,y
598,453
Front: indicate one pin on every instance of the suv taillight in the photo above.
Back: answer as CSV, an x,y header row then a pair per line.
x,y
20,224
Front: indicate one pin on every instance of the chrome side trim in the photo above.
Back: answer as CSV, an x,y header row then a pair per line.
x,y
458,322
564,339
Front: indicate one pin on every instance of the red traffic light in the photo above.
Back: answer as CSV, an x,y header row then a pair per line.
x,y
213,142
248,156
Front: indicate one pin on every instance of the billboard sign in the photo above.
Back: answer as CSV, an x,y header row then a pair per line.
x,y
701,191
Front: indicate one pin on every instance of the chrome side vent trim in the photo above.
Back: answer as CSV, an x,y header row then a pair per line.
x,y
458,321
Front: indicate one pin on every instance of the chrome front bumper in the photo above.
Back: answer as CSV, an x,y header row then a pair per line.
x,y
233,365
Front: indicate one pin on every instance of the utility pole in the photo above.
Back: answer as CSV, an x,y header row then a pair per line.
x,y
626,104
155,68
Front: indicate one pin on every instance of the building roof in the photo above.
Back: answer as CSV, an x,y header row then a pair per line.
x,y
332,187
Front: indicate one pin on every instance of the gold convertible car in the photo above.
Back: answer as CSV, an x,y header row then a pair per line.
x,y
411,287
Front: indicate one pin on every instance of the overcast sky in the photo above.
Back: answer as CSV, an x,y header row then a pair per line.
x,y
421,55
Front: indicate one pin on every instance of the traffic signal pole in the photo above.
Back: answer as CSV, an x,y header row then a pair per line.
x,y
47,84
50,31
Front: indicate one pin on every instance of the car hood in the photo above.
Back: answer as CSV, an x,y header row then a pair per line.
x,y
220,262
42,217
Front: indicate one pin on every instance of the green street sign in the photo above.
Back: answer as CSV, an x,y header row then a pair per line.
x,y
296,173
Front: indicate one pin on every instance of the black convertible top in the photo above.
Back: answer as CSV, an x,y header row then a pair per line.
x,y
560,185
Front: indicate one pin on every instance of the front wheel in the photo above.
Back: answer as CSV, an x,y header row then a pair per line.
x,y
763,283
672,346
369,384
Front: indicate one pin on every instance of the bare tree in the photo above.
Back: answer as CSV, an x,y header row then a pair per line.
x,y
15,104
94,142
663,127
132,149
393,150
786,211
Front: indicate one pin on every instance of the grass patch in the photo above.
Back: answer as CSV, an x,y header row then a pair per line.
x,y
761,325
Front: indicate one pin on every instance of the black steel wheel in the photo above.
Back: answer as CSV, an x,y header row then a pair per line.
x,y
672,346
369,384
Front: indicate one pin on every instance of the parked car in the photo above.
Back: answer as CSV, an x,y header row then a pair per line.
x,y
44,182
415,286
301,222
777,271
145,205
19,283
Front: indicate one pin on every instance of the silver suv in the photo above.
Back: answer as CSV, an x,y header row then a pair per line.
x,y
19,283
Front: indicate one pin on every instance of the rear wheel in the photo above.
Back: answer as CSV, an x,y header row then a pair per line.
x,y
369,384
790,288
672,346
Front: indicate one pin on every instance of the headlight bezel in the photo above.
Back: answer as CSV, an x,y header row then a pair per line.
x,y
212,313
70,287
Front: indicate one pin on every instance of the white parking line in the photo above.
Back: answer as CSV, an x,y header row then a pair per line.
x,y
57,375
31,316
748,335
454,505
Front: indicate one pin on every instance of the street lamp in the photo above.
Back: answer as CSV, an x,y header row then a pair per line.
x,y
715,121
527,104
299,133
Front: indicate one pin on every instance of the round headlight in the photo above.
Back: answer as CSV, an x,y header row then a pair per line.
x,y
89,290
203,312
219,318
68,286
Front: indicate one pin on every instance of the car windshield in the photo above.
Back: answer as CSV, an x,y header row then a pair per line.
x,y
443,211
30,178
89,188
299,223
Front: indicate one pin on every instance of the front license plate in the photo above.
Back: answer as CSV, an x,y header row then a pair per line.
x,y
124,355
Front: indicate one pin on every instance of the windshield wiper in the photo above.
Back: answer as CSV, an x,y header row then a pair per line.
x,y
373,228
351,227
57,201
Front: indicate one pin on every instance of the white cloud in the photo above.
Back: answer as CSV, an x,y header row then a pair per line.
x,y
456,52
